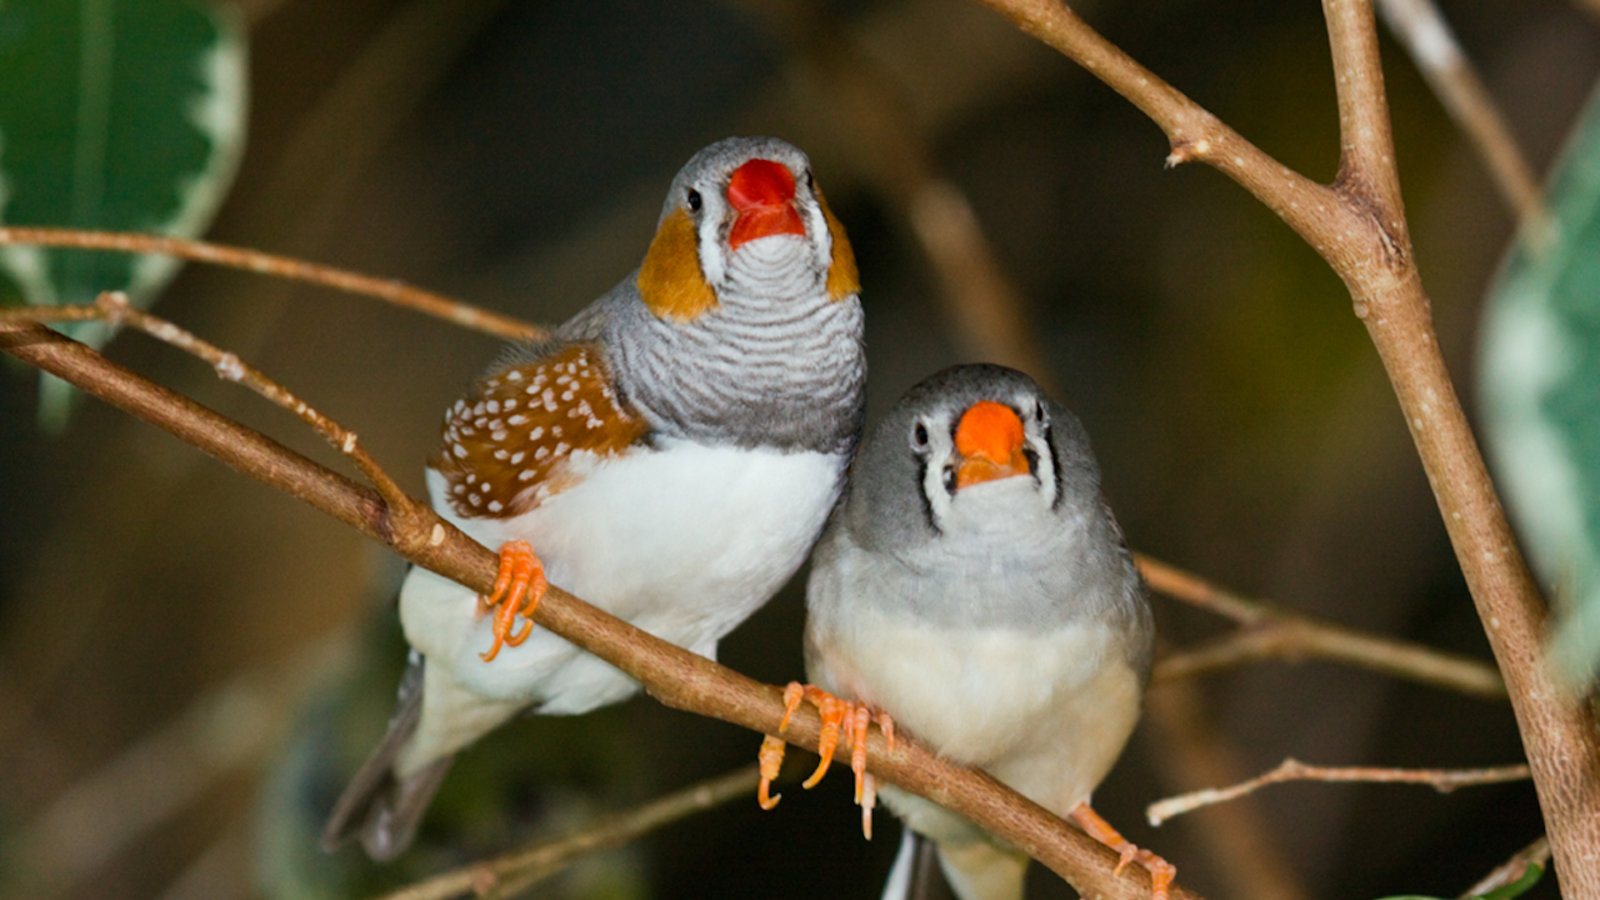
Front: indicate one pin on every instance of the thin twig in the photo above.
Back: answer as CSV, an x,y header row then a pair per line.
x,y
1186,747
1358,226
1442,780
113,307
1271,632
1535,854
672,675
513,873
1433,46
396,292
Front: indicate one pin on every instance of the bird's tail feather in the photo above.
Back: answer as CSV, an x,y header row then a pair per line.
x,y
975,870
379,808
898,887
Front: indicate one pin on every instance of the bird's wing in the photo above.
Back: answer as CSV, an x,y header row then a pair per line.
x,y
513,440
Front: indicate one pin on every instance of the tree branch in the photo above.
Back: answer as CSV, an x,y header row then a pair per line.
x,y
1271,632
113,307
396,292
1442,780
1358,226
672,675
513,873
1535,854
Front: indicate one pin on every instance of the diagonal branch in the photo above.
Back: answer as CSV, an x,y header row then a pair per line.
x,y
113,307
1267,631
1513,869
396,292
1358,226
672,675
515,872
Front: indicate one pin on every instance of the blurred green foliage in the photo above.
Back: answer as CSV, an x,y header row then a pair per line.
x,y
119,115
1541,393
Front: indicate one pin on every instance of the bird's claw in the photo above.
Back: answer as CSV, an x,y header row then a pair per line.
x,y
840,718
517,591
1161,872
771,757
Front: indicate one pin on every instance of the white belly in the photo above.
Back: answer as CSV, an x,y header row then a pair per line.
x,y
685,543
1045,712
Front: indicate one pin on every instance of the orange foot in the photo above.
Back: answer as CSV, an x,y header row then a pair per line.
x,y
846,716
1161,871
517,591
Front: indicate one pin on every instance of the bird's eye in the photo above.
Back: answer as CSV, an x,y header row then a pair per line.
x,y
694,200
919,436
811,183
1038,411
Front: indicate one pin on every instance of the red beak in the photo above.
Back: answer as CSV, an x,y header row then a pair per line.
x,y
761,192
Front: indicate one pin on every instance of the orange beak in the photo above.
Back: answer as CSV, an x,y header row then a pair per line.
x,y
989,439
761,192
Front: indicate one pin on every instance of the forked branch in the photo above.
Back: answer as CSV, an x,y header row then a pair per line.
x,y
1358,225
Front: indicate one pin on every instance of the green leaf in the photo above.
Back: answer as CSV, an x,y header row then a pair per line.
x,y
1530,877
123,115
1540,386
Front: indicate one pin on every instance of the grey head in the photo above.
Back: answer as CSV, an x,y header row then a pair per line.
x,y
743,325
904,490
1033,527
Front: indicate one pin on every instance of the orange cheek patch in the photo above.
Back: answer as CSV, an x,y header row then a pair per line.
x,y
670,280
507,443
843,278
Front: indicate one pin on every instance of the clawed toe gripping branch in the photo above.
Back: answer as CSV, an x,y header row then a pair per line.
x,y
840,718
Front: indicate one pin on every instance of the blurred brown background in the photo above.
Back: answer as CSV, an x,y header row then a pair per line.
x,y
180,647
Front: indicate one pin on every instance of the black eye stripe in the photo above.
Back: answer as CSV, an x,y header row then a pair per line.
x,y
1050,445
921,488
